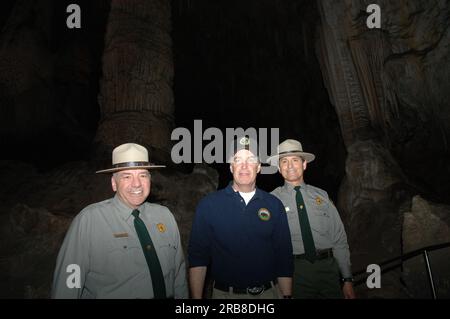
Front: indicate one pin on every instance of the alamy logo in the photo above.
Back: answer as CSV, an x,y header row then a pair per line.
x,y
213,152
374,19
74,279
374,279
74,19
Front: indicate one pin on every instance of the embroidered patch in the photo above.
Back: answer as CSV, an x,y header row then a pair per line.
x,y
319,200
264,214
161,227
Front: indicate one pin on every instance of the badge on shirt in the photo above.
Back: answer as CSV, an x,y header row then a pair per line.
x,y
319,200
161,227
264,214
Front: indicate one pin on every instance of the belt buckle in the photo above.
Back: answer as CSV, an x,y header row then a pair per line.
x,y
255,291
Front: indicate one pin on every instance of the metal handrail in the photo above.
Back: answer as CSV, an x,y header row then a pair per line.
x,y
403,258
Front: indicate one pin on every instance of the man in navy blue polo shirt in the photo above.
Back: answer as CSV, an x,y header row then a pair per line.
x,y
242,234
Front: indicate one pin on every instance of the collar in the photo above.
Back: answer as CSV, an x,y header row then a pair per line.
x,y
288,187
230,191
124,210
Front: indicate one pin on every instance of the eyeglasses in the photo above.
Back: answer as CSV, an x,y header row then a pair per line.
x,y
248,160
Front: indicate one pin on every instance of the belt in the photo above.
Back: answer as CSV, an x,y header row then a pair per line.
x,y
320,254
256,290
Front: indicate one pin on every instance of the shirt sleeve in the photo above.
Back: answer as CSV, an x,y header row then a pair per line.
x,y
283,244
72,263
199,250
341,249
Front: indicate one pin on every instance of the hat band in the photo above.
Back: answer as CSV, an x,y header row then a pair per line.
x,y
131,164
294,151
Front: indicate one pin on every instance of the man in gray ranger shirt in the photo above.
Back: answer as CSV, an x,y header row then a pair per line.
x,y
123,247
319,241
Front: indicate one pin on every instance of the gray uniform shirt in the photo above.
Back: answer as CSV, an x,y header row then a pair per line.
x,y
103,242
326,224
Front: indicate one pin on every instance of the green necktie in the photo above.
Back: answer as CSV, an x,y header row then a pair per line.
x,y
307,237
159,287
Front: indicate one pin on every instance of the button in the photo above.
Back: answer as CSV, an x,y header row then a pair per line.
x,y
301,206
148,247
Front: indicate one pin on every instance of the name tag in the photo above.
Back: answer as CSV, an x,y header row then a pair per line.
x,y
120,235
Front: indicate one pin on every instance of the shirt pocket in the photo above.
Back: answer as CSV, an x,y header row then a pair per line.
x,y
124,258
320,219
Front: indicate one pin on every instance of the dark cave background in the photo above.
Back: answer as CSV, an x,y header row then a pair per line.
x,y
57,108
235,64
241,65
264,77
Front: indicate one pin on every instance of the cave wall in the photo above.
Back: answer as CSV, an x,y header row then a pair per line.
x,y
392,84
390,88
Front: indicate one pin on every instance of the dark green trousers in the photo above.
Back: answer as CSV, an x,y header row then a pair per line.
x,y
320,279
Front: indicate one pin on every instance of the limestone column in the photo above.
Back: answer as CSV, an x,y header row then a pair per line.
x,y
374,184
136,97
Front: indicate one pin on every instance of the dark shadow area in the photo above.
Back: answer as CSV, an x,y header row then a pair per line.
x,y
253,64
249,64
51,77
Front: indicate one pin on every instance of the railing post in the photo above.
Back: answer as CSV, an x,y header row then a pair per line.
x,y
430,274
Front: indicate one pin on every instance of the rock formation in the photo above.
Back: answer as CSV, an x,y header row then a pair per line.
x,y
390,88
136,97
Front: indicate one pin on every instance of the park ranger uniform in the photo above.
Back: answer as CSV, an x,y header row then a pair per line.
x,y
102,241
311,279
